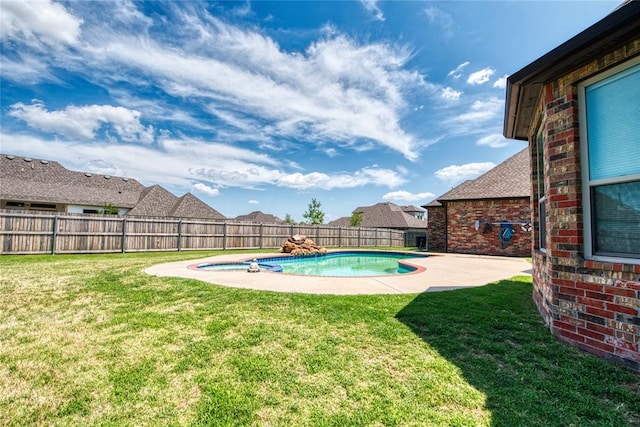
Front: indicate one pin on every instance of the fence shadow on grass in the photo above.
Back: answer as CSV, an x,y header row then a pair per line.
x,y
495,336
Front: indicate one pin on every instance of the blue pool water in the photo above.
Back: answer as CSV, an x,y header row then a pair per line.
x,y
345,264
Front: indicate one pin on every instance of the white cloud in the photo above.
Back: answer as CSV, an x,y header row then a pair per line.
x,y
180,162
83,122
440,18
456,73
494,140
372,7
501,83
457,173
205,189
481,77
38,22
360,178
405,196
450,94
338,90
253,202
331,152
479,113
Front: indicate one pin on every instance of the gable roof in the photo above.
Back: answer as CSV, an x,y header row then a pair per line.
x,y
524,87
388,215
189,206
259,217
27,179
509,179
48,181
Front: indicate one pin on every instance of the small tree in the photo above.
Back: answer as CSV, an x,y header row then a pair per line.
x,y
288,219
109,209
356,219
314,215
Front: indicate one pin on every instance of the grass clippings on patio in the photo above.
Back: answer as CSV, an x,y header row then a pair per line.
x,y
92,340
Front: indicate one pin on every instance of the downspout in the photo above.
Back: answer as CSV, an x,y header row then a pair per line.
x,y
446,228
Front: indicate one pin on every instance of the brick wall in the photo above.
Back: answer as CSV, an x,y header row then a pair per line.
x,y
436,227
592,305
462,237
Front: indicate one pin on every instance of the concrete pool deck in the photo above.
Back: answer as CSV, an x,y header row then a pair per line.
x,y
441,272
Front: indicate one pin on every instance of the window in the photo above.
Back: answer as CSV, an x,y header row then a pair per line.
x,y
610,142
542,195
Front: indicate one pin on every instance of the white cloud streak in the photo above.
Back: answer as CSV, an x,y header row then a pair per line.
x,y
205,189
457,173
38,23
372,7
494,140
456,73
83,122
450,94
481,76
441,19
405,196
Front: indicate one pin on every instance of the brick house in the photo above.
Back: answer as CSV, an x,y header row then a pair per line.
x,y
44,185
578,106
389,215
472,216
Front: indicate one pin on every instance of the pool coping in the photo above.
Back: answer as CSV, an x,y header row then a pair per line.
x,y
439,272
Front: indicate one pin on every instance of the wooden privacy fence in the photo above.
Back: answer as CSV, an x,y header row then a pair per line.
x,y
30,233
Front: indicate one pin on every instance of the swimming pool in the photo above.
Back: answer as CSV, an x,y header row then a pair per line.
x,y
343,264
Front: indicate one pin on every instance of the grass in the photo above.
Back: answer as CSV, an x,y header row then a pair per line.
x,y
92,340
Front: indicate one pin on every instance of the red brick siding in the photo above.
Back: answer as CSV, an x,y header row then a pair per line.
x,y
462,237
592,305
436,228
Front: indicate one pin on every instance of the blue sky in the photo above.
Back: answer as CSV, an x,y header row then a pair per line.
x,y
265,105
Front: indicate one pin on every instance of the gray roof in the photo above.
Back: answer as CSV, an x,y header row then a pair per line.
x,y
259,217
26,179
388,215
48,181
432,204
509,179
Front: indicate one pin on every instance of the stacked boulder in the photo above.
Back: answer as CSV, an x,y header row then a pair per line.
x,y
300,245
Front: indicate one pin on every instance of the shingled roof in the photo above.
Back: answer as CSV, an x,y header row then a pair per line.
x,y
26,179
259,218
48,181
384,215
509,179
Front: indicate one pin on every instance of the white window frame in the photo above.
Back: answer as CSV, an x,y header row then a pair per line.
x,y
587,184
542,193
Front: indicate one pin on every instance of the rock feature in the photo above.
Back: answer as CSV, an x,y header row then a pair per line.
x,y
300,245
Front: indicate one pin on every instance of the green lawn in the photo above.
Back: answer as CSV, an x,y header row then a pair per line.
x,y
92,340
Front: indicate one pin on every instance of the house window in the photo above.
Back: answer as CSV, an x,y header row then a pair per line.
x,y
610,129
542,195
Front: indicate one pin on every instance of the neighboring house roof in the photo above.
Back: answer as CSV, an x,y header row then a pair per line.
x,y
26,179
259,218
189,206
509,179
388,215
344,221
524,87
411,209
432,204
48,181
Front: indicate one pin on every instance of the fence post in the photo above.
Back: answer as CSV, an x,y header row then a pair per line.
x,y
359,230
390,237
291,230
179,234
224,236
261,234
339,237
124,235
54,235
